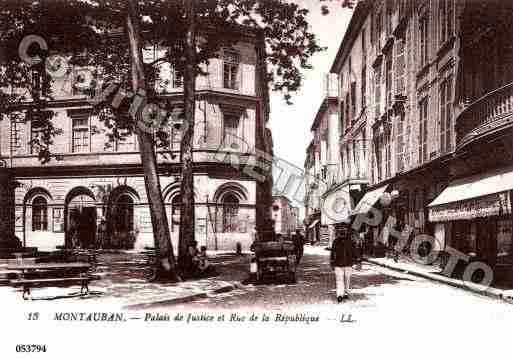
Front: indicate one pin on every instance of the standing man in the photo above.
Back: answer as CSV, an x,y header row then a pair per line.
x,y
343,257
299,242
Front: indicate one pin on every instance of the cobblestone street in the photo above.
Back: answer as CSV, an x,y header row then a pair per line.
x,y
373,287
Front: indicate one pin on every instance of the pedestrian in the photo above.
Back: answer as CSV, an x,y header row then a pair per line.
x,y
299,242
102,233
343,257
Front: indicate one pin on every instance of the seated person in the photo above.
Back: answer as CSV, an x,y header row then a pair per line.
x,y
203,264
192,260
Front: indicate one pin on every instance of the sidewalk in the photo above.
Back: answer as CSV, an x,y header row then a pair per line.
x,y
124,281
434,273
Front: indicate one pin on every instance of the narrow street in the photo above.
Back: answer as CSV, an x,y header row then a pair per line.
x,y
374,290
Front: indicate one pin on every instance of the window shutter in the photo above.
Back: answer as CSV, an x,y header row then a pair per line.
x,y
399,68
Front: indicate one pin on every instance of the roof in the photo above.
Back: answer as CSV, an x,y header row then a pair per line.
x,y
317,120
359,16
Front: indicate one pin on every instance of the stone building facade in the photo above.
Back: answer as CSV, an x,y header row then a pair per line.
x,y
424,121
285,215
88,185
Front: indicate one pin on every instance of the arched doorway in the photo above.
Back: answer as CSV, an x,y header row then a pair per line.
x,y
80,212
122,221
230,212
124,214
121,226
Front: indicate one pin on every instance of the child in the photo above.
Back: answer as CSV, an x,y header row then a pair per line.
x,y
203,264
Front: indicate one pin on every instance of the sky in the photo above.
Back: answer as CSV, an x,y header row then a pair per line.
x,y
290,124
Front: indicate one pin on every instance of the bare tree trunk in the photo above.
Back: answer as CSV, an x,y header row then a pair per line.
x,y
165,263
186,150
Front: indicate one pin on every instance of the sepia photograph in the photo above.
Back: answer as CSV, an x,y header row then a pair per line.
x,y
256,178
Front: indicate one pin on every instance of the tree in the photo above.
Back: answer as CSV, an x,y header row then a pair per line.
x,y
166,267
88,32
288,47
187,221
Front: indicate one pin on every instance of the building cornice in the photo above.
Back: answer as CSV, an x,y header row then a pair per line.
x,y
357,19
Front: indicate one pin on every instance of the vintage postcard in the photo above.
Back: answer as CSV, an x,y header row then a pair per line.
x,y
256,178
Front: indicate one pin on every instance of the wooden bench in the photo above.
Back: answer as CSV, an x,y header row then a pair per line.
x,y
27,284
47,274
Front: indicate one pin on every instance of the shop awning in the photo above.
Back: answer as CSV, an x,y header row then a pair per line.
x,y
313,224
369,200
481,195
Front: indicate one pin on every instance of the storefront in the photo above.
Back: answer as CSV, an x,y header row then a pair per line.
x,y
473,215
378,199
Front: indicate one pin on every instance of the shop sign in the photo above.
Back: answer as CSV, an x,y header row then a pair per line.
x,y
491,205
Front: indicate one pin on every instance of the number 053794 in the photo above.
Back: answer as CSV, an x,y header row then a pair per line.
x,y
31,348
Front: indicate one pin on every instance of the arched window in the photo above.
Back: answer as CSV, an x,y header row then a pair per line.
x,y
176,206
230,212
39,214
124,217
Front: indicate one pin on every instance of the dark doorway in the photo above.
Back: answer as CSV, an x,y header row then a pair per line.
x,y
81,222
87,227
82,226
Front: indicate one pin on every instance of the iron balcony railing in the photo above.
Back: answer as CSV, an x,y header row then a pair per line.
x,y
490,112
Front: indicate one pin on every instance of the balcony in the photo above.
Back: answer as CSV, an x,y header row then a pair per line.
x,y
330,86
491,113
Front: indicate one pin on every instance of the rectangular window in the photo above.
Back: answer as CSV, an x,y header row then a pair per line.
x,y
399,67
39,214
356,156
353,101
175,127
82,82
126,142
379,19
36,135
407,142
348,116
231,135
388,156
402,8
446,8
388,78
390,6
364,71
446,116
423,28
231,63
348,162
16,131
80,137
423,113
400,143
177,78
341,117
379,162
364,153
377,89
373,173
36,83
